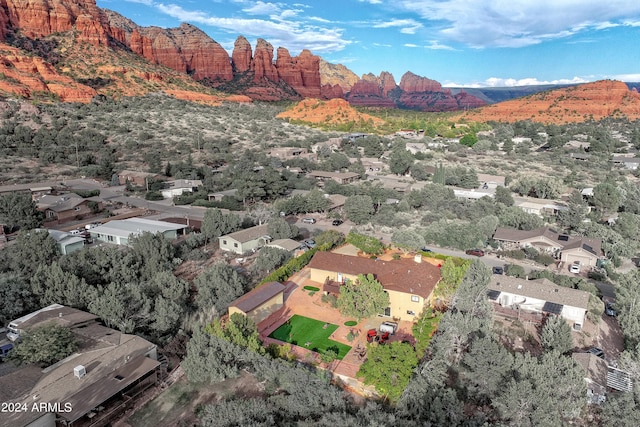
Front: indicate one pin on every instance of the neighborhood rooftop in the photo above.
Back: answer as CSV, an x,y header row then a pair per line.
x,y
258,296
135,226
541,289
403,275
248,234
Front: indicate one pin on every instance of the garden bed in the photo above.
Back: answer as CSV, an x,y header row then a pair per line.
x,y
311,334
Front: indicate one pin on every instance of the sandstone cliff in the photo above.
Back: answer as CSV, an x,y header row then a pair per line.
x,y
337,74
574,104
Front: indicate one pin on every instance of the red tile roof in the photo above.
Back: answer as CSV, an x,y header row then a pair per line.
x,y
403,275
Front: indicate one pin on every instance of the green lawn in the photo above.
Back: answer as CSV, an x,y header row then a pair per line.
x,y
300,330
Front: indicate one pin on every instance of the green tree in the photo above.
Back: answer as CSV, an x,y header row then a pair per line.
x,y
218,286
270,258
216,224
19,210
486,368
556,335
45,345
279,228
389,367
359,209
32,249
628,305
515,270
469,139
239,330
572,217
503,195
362,297
210,359
367,244
400,161
155,252
606,198
439,175
52,285
16,297
407,238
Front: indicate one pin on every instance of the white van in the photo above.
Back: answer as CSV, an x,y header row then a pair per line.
x,y
309,220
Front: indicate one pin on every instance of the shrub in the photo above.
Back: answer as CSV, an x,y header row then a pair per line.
x,y
153,195
544,259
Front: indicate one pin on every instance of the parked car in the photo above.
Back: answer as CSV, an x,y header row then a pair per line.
x,y
337,222
426,250
310,243
498,270
575,267
609,310
475,252
309,220
4,350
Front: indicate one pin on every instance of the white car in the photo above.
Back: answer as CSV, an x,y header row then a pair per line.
x,y
575,267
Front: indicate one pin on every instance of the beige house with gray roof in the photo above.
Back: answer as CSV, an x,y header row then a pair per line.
x,y
539,296
245,240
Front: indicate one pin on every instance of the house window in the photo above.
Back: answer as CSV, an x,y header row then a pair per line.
x,y
415,298
51,214
110,238
386,312
411,312
77,208
224,242
235,245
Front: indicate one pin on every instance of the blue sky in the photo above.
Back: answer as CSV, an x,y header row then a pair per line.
x,y
456,42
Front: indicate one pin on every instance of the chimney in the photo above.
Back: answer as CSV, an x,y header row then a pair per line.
x,y
417,258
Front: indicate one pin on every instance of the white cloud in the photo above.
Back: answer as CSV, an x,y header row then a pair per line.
x,y
435,45
262,8
147,2
407,26
510,82
627,77
410,45
496,23
371,1
294,34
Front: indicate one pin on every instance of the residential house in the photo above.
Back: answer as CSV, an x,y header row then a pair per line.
x,y
339,177
540,207
409,282
136,178
218,196
407,133
288,153
259,303
179,187
289,245
246,240
473,194
337,202
330,146
67,207
66,243
538,297
90,387
370,164
596,370
630,163
567,248
353,137
120,232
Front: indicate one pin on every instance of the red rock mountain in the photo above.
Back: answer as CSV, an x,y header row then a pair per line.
x,y
414,93
259,74
595,101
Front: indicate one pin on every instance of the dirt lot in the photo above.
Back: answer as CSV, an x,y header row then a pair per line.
x,y
176,406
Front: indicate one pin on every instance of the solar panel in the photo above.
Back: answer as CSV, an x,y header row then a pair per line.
x,y
563,238
552,307
493,295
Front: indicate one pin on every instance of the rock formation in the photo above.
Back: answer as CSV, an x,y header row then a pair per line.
x,y
414,83
262,65
337,74
241,56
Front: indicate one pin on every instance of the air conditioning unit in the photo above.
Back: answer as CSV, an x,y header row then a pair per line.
x,y
79,371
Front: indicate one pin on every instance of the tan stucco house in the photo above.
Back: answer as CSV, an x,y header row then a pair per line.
x,y
259,303
409,282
